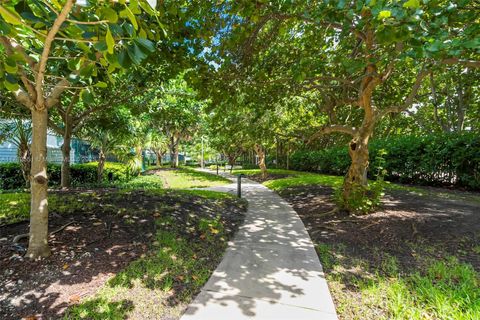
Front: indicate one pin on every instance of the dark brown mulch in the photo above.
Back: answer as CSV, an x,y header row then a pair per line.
x,y
110,231
406,222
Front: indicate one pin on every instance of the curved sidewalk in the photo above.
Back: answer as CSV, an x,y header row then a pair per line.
x,y
269,271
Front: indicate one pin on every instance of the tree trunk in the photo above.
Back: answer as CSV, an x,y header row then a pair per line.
x,y
288,155
65,177
175,154
38,242
101,166
159,155
355,183
357,173
261,160
25,157
231,161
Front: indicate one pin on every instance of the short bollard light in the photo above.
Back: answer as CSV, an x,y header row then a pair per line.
x,y
239,185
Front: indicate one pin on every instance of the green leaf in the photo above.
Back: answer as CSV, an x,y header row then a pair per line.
x,y
11,86
74,64
86,96
10,16
11,83
131,17
412,4
101,84
110,41
146,44
123,59
4,28
384,14
136,54
87,71
11,65
110,15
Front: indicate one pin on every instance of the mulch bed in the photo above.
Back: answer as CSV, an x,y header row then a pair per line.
x,y
405,221
103,238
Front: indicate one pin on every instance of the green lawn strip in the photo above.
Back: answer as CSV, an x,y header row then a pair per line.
x,y
161,283
145,182
444,288
185,178
15,207
251,172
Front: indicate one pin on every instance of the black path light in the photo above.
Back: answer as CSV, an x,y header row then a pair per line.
x,y
239,185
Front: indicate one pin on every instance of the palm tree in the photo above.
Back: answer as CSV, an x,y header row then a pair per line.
x,y
19,132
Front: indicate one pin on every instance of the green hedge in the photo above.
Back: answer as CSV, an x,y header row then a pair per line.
x,y
86,173
436,160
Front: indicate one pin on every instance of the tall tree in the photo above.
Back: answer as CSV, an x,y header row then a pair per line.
x,y
48,48
175,110
344,51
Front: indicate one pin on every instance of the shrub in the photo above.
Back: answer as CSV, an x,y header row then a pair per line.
x,y
85,173
11,176
435,160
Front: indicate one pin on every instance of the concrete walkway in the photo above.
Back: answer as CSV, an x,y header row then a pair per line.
x,y
270,270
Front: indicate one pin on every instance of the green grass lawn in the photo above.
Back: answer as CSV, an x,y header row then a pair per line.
x,y
294,178
443,289
186,178
15,206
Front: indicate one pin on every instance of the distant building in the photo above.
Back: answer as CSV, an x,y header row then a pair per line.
x,y
81,151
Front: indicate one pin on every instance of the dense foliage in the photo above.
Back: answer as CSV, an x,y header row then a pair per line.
x,y
436,160
86,173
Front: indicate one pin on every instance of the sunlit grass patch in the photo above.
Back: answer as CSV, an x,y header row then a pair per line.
x,y
251,172
444,289
185,178
304,180
146,182
14,207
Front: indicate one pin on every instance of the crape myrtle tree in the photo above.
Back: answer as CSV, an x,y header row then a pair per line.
x,y
346,52
49,48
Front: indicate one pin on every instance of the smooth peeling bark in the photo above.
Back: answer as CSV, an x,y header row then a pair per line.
x,y
261,160
101,166
65,170
356,178
25,157
356,181
175,154
38,241
159,157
